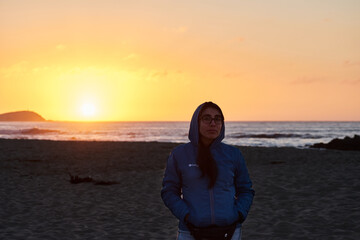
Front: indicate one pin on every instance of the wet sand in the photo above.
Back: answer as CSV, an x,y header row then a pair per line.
x,y
300,193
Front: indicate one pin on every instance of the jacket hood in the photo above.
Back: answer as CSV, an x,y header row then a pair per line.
x,y
194,129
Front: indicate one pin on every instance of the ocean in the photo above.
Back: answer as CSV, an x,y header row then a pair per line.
x,y
265,134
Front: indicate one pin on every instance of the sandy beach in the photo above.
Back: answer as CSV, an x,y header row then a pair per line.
x,y
300,193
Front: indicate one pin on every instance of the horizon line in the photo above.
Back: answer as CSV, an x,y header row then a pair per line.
x,y
114,121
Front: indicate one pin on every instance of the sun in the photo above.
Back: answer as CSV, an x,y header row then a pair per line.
x,y
88,110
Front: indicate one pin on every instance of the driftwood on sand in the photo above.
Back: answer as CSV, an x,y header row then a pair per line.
x,y
76,179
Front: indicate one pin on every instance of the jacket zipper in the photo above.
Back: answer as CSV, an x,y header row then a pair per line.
x,y
212,210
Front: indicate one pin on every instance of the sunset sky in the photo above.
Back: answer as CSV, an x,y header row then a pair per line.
x,y
114,60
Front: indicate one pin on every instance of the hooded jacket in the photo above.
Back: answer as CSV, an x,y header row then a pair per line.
x,y
185,190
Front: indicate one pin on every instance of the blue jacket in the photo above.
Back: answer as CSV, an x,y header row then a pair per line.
x,y
185,191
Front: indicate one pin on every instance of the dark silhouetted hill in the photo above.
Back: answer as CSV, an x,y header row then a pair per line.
x,y
21,116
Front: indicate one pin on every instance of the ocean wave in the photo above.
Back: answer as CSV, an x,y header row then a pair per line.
x,y
275,135
298,134
8,132
37,131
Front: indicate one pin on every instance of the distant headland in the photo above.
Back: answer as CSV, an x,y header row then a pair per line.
x,y
21,116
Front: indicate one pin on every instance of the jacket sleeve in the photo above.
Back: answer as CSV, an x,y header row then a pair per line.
x,y
244,191
171,190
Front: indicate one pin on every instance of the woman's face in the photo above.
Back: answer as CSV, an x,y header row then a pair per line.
x,y
209,131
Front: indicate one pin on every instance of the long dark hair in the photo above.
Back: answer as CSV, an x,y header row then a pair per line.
x,y
205,159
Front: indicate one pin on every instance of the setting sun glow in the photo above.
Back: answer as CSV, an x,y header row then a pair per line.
x,y
156,61
88,110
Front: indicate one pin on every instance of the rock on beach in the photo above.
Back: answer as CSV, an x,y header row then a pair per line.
x,y
348,144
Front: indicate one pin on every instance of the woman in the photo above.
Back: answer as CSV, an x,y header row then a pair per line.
x,y
206,184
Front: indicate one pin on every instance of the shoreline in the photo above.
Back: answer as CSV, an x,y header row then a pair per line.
x,y
144,142
306,193
306,147
262,134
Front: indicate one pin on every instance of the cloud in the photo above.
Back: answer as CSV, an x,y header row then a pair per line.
x,y
352,82
348,63
239,39
233,75
60,47
177,30
159,74
312,80
236,40
309,80
180,30
130,57
36,70
173,77
19,70
153,75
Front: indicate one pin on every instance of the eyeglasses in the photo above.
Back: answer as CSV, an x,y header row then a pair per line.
x,y
207,119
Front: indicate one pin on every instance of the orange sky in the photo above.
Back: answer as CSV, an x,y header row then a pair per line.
x,y
158,60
